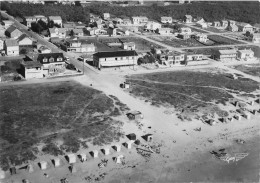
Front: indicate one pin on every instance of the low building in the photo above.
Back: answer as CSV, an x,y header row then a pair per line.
x,y
58,32
88,48
232,28
28,20
115,59
11,47
78,47
78,32
44,49
245,55
226,55
139,20
203,25
194,57
56,20
128,46
224,23
53,63
216,24
184,36
152,26
244,27
24,40
126,21
255,37
202,37
95,31
13,32
185,30
231,22
41,17
256,27
164,31
106,16
31,69
188,19
117,21
165,20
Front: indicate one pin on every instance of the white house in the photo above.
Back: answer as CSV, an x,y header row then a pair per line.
x,y
31,69
245,54
115,59
24,40
106,16
202,37
139,20
255,38
165,20
58,32
185,30
11,47
56,20
244,27
164,31
128,46
152,26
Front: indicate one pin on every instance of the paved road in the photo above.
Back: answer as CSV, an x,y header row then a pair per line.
x,y
79,65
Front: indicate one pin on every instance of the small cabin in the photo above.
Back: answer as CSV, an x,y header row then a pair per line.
x,y
148,137
82,157
30,168
106,151
128,144
135,115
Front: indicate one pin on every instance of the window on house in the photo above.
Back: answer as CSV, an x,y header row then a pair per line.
x,y
45,59
115,58
105,59
51,59
59,59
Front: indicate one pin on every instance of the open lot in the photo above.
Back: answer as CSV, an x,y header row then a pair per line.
x,y
219,40
252,69
62,117
175,42
189,90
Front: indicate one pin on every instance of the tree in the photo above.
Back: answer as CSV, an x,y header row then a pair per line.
x,y
23,51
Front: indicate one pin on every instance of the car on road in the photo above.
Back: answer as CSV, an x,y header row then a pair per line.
x,y
80,59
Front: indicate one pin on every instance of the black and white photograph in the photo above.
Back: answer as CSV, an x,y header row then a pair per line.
x,y
129,91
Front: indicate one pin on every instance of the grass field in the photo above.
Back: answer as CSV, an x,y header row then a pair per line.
x,y
177,42
219,40
188,90
62,116
253,69
213,29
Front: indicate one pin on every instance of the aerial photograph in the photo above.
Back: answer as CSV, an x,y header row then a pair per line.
x,y
129,91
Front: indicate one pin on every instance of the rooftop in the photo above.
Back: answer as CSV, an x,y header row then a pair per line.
x,y
11,42
115,54
225,52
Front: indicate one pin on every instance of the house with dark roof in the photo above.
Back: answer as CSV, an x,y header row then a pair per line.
x,y
78,32
13,32
226,55
24,40
53,63
11,47
56,20
31,69
244,27
115,59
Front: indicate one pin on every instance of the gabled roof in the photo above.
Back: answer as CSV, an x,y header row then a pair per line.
x,y
257,25
76,31
115,54
31,64
166,17
246,51
188,16
242,24
52,30
129,43
11,29
11,42
22,37
48,56
225,52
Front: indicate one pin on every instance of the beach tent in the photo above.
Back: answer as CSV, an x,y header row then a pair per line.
x,y
105,151
118,159
30,168
56,162
82,157
2,174
43,165
117,147
71,158
72,169
238,117
13,170
247,115
94,153
128,144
